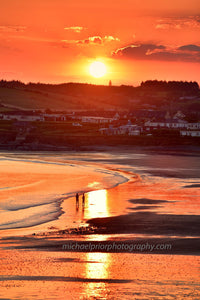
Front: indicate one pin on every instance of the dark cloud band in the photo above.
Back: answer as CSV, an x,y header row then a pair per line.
x,y
190,53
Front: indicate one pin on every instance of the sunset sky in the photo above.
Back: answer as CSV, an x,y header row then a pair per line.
x,y
57,40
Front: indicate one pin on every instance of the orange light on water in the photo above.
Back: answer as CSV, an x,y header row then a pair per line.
x,y
97,267
97,204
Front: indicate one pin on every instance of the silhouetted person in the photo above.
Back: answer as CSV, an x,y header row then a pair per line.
x,y
83,199
77,200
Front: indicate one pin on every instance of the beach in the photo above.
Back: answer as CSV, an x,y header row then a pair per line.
x,y
136,236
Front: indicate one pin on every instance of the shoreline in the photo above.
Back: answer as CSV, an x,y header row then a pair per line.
x,y
159,149
125,178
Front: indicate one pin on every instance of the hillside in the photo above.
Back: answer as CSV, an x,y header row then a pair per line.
x,y
76,96
27,99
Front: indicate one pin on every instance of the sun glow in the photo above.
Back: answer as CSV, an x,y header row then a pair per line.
x,y
97,204
97,69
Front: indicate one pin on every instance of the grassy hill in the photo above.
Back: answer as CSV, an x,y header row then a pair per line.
x,y
77,96
26,99
37,99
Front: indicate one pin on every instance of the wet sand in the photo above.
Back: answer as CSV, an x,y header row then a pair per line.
x,y
28,274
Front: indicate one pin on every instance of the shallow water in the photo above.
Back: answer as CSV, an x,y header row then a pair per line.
x,y
31,190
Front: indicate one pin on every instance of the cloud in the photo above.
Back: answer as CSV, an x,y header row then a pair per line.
x,y
99,40
12,28
192,22
192,48
137,51
110,38
76,29
190,53
93,40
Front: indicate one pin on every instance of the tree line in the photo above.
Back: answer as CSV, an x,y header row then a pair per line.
x,y
180,87
191,87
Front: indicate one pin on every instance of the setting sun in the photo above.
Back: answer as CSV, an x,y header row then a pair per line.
x,y
97,69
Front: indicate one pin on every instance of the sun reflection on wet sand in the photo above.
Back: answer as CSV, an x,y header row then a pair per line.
x,y
97,267
97,204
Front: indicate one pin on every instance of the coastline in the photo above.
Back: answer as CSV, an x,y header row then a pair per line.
x,y
185,150
106,143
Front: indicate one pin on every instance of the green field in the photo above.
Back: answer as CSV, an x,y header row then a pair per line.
x,y
12,98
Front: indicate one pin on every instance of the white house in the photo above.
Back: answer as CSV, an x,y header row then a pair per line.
x,y
116,117
166,124
128,129
22,117
135,132
193,133
173,124
179,115
76,124
193,125
96,120
54,117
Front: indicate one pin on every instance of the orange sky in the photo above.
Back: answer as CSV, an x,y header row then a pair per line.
x,y
55,40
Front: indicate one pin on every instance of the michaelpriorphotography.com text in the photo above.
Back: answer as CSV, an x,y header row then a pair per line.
x,y
116,246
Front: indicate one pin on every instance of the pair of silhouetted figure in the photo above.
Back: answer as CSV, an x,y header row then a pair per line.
x,y
77,200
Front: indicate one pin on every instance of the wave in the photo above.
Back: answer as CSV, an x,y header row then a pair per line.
x,y
31,191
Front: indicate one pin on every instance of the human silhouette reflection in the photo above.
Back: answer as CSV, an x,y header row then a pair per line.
x,y
83,200
77,201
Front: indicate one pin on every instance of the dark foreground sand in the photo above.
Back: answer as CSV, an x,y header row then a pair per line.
x,y
169,246
149,223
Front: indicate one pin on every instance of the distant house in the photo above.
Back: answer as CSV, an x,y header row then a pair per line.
x,y
108,131
33,116
193,133
116,117
193,125
171,124
127,129
188,98
179,115
96,120
55,117
76,124
136,131
23,116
